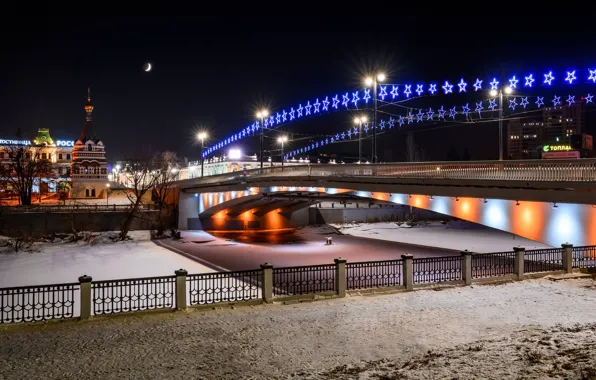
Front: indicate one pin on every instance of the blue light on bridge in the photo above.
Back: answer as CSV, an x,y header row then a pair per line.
x,y
565,224
496,214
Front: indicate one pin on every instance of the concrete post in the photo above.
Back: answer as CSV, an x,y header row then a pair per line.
x,y
518,266
86,298
340,277
567,257
408,271
267,282
181,289
466,267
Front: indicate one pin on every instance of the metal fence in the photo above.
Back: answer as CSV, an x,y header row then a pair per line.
x,y
436,269
212,288
119,296
76,208
303,279
38,303
493,264
374,274
584,257
543,260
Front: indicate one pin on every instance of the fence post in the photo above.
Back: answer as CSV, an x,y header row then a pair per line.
x,y
85,285
181,289
408,271
466,267
340,276
267,282
518,266
567,257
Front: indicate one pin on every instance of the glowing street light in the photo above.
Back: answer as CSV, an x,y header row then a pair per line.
x,y
508,90
202,136
282,140
262,115
373,81
359,121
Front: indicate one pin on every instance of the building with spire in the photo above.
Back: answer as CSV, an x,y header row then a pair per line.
x,y
89,171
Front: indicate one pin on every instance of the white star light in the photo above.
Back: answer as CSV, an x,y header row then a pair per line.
x,y
344,102
326,103
383,92
589,98
410,117
430,114
530,80
452,113
335,101
466,109
448,88
539,101
307,107
408,90
419,116
317,106
355,99
394,92
513,103
478,85
570,100
479,107
592,76
513,82
548,78
494,85
524,102
462,85
367,96
284,115
492,104
433,88
401,121
391,122
556,100
419,89
570,76
441,113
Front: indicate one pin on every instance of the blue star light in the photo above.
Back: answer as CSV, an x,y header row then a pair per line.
x,y
343,135
394,92
441,113
366,95
408,90
292,113
462,85
346,100
284,116
366,127
299,110
419,116
355,130
266,122
419,89
307,107
430,114
556,100
433,88
383,92
400,121
513,103
278,118
337,136
570,100
524,102
410,117
466,109
589,98
539,101
592,76
382,124
494,85
513,82
317,105
448,88
349,133
326,104
570,76
548,78
479,107
478,85
391,122
335,101
529,80
452,113
355,98
492,104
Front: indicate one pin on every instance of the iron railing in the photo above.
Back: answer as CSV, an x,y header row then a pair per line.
x,y
374,274
212,288
493,264
37,303
584,257
119,296
78,208
543,260
436,269
303,280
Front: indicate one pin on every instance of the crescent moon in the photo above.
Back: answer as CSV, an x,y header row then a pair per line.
x,y
148,67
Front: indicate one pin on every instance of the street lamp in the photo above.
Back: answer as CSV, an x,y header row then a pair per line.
x,y
262,115
373,81
282,140
359,121
508,90
107,193
202,136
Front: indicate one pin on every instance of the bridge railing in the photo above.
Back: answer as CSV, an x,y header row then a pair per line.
x,y
582,170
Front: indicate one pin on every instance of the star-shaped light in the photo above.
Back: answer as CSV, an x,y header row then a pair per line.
x,y
452,113
479,107
419,116
284,116
556,100
513,82
278,118
307,107
349,133
494,85
419,89
513,103
570,100
266,122
346,100
271,121
299,110
539,101
394,92
408,90
432,88
448,87
317,105
441,112
466,109
529,80
355,98
326,103
383,92
478,85
343,135
391,122
291,113
382,125
366,127
492,104
462,85
592,76
252,126
335,101
332,140
589,98
430,114
400,121
337,136
570,76
524,102
548,78
367,96
410,117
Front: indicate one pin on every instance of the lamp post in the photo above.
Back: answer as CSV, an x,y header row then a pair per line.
x,y
508,90
359,121
202,136
262,115
107,194
373,81
282,140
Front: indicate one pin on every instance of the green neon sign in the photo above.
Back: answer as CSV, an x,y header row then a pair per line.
x,y
546,148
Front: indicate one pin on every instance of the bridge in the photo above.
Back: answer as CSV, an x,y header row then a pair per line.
x,y
544,200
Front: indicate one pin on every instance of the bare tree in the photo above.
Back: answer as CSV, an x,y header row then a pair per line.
x,y
24,168
166,172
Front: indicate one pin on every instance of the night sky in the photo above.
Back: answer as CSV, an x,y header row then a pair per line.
x,y
213,70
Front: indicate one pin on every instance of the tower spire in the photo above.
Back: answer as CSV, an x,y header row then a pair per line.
x,y
88,95
88,116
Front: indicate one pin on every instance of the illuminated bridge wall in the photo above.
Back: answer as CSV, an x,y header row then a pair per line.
x,y
538,221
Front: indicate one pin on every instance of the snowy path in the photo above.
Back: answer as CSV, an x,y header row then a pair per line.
x,y
275,341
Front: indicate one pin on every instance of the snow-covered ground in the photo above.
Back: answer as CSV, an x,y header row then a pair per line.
x,y
533,329
54,263
456,235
